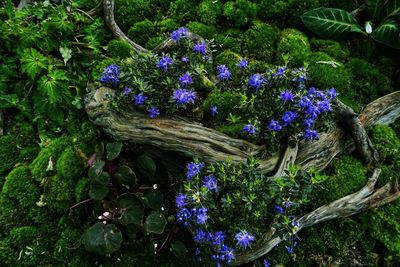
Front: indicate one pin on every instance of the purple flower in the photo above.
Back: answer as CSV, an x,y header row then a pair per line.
x,y
183,96
287,96
243,239
274,126
184,59
324,106
216,239
225,254
199,236
256,81
312,92
308,123
180,200
331,93
193,168
289,117
280,71
139,99
266,263
243,64
201,215
279,209
153,112
310,135
305,102
250,129
223,73
210,183
176,35
186,79
200,47
289,249
127,90
312,112
296,224
165,62
110,75
214,110
183,215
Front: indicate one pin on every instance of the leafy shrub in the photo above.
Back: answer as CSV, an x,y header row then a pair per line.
x,y
240,12
183,11
295,44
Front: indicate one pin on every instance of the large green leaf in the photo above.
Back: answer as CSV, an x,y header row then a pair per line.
x,y
33,62
113,150
330,22
146,166
98,186
125,177
154,199
54,87
374,7
102,239
155,223
390,9
131,210
96,169
388,33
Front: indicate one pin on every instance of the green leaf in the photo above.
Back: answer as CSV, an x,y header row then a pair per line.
x,y
98,187
8,101
102,239
54,87
96,169
155,223
33,62
179,249
9,9
154,199
330,22
131,230
146,166
113,150
66,54
390,9
131,210
125,177
388,33
374,7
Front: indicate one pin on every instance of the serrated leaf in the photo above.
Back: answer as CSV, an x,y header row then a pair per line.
x,y
179,249
33,62
66,54
102,239
96,169
125,177
155,223
113,150
98,187
54,87
154,199
146,166
388,33
131,210
330,22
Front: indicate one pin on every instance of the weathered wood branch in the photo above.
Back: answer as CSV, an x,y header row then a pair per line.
x,y
194,140
96,11
362,200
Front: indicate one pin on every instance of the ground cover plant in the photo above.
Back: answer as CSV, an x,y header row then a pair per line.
x,y
204,133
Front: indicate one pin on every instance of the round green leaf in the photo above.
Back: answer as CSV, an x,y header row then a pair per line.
x,y
96,169
98,187
154,199
125,177
155,223
113,150
102,239
131,230
388,33
131,210
179,249
146,166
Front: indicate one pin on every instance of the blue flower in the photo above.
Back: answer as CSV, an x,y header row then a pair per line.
x,y
199,236
183,215
193,168
289,117
183,96
287,96
310,135
201,215
223,72
127,90
186,79
279,209
250,129
331,93
280,71
214,110
312,112
243,239
180,200
289,249
308,123
176,35
225,253
274,126
243,64
305,102
154,112
210,183
184,59
110,75
165,62
296,224
139,99
217,239
266,263
312,92
256,81
200,47
324,106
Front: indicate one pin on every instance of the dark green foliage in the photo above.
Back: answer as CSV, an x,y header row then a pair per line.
x,y
210,11
59,193
84,4
119,49
81,189
20,188
201,29
260,41
70,165
332,48
127,12
66,246
295,44
240,12
230,39
154,42
183,11
8,150
226,102
167,25
142,31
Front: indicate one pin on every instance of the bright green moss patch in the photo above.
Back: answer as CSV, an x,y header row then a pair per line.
x,y
119,49
201,29
230,39
295,44
230,59
141,31
70,165
210,11
68,243
59,193
225,102
81,189
240,12
332,48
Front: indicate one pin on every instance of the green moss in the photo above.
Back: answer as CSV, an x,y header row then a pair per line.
x,y
127,12
183,11
8,150
296,45
24,133
20,187
385,141
240,12
260,41
59,194
70,238
81,189
22,236
210,11
234,131
367,82
70,165
257,66
230,59
201,29
230,39
44,163
154,42
28,154
225,102
141,31
332,48
167,25
119,49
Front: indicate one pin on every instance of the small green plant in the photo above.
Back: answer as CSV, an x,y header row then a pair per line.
x,y
383,24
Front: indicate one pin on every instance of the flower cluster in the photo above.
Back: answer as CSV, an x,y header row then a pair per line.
x,y
223,73
182,32
110,75
183,96
165,62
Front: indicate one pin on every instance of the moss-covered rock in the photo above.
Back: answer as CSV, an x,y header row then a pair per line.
x,y
240,12
225,102
64,248
201,29
385,141
153,42
167,25
127,12
119,49
230,39
81,189
210,11
295,44
183,11
59,194
332,48
70,165
260,41
141,31
229,59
